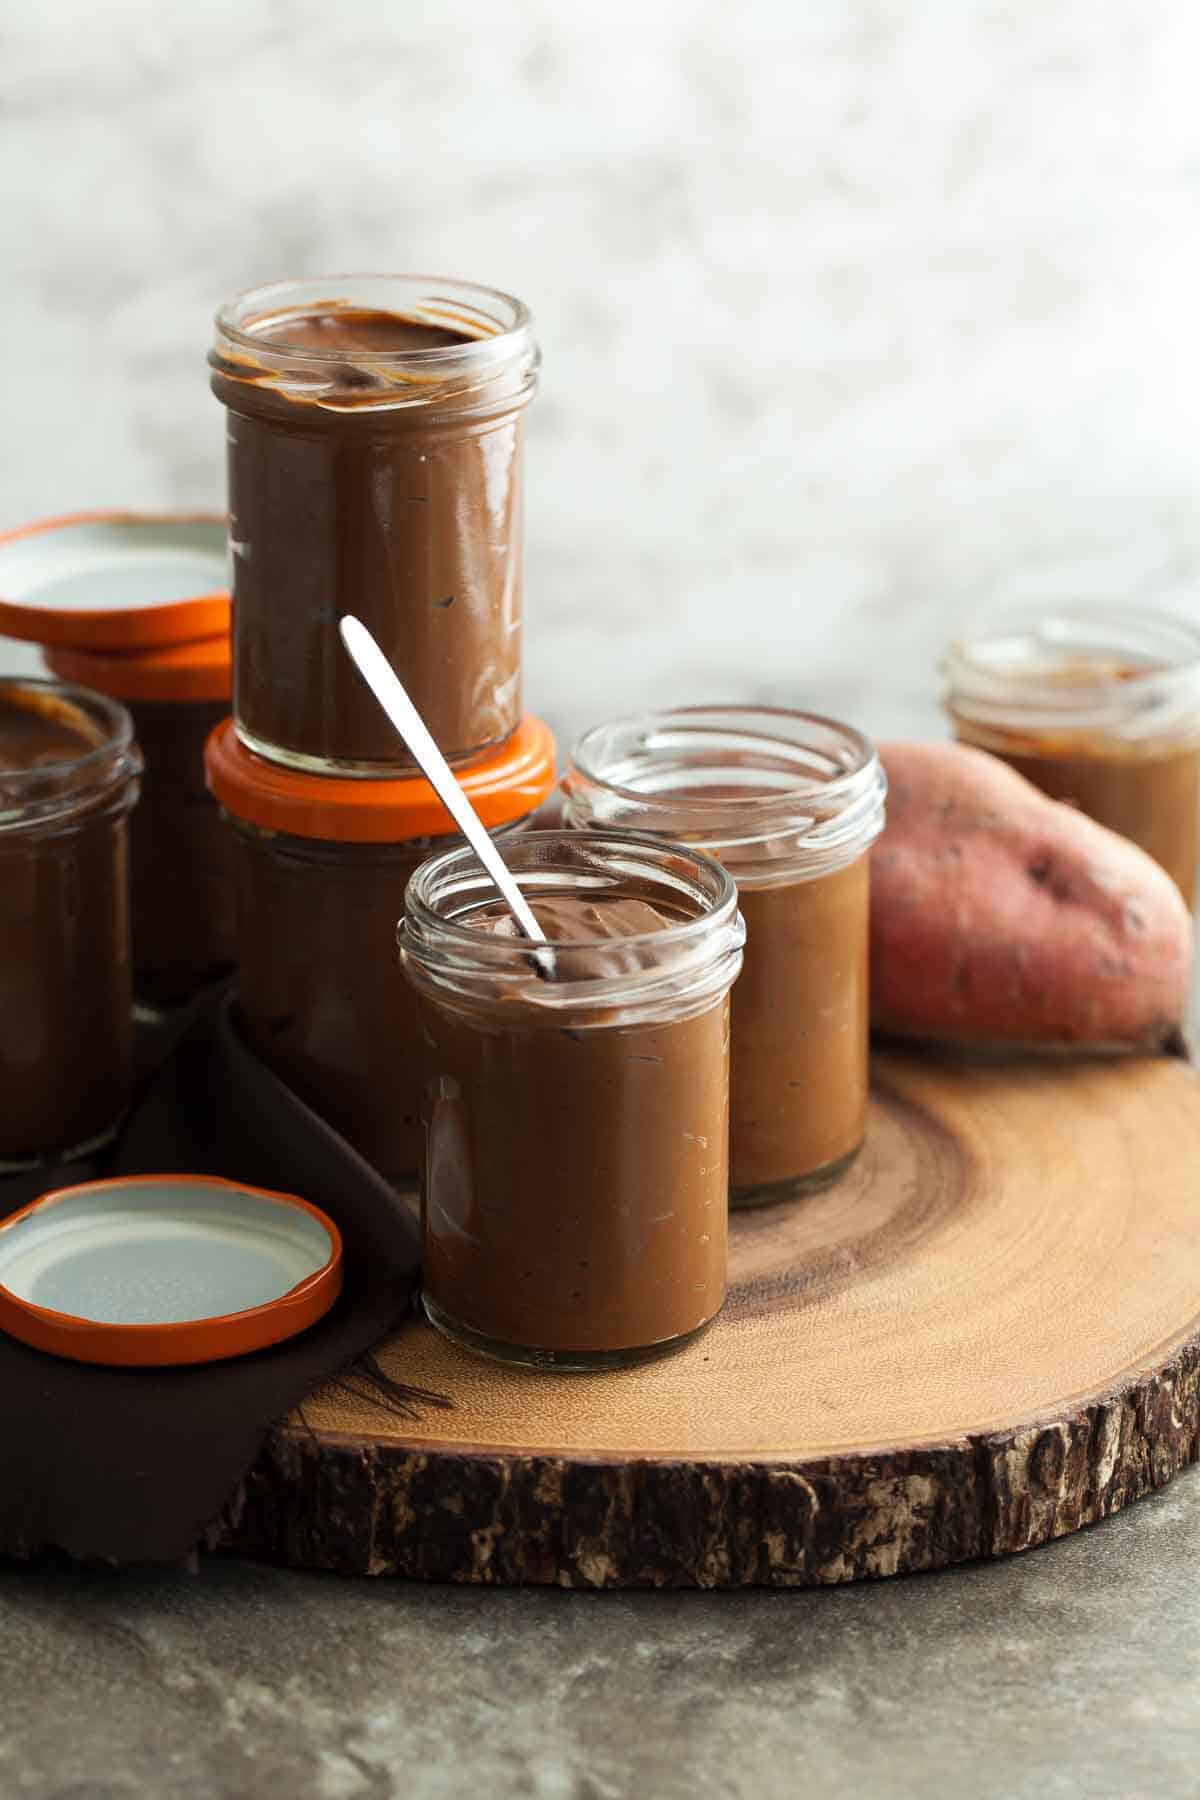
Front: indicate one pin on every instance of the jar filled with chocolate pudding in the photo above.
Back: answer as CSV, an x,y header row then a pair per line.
x,y
374,430
1096,706
321,866
181,859
790,803
69,771
575,1175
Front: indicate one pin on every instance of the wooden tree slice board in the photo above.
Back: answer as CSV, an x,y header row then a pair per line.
x,y
987,1335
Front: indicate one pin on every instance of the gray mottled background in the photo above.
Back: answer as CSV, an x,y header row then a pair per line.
x,y
852,310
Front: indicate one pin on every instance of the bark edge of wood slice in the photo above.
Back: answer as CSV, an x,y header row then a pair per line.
x,y
985,1337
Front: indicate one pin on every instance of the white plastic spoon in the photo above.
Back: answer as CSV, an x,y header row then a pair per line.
x,y
387,688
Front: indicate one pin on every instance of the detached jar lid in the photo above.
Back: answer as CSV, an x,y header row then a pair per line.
x,y
115,580
180,672
504,785
151,1270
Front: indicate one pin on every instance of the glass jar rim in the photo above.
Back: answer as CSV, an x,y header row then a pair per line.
x,y
1133,671
741,721
51,790
100,709
233,316
672,972
824,807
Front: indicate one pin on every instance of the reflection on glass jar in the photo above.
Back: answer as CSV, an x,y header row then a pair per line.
x,y
575,1182
68,777
374,430
790,803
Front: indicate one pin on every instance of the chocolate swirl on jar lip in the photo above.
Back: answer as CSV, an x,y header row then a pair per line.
x,y
676,969
777,794
1077,670
103,773
494,360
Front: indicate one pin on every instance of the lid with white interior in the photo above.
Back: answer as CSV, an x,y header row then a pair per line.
x,y
104,581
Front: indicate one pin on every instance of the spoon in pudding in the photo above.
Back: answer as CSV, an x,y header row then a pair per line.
x,y
388,689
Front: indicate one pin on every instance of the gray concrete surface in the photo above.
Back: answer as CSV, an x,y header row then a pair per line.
x,y
1072,1671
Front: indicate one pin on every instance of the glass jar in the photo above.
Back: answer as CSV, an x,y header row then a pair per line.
x,y
574,1183
375,436
181,859
69,772
1095,705
790,803
321,867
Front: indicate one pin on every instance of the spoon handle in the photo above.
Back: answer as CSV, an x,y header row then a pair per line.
x,y
384,683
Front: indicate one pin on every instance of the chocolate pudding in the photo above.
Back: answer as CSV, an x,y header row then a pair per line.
x,y
790,804
68,776
321,996
181,862
40,728
800,1071
321,867
576,1170
1145,792
374,462
344,332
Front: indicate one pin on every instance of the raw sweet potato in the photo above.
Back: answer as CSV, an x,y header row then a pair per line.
x,y
999,916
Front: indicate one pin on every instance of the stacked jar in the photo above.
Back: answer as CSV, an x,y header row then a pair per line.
x,y
180,867
134,606
375,439
69,772
1098,706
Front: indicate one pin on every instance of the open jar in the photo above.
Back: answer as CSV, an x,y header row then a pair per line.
x,y
321,867
790,803
69,772
375,431
575,1176
1095,705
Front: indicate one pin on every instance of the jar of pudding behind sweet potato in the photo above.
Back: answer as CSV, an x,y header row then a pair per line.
x,y
375,439
321,867
1097,706
69,771
575,1178
181,860
790,803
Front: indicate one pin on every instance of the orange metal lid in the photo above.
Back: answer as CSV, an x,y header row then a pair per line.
x,y
115,580
199,671
150,1270
504,785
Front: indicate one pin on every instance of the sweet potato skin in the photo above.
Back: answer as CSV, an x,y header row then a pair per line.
x,y
999,916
